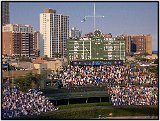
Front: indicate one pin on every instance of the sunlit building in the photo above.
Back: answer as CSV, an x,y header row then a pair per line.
x,y
54,29
138,44
17,40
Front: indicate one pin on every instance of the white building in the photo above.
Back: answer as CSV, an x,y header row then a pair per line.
x,y
55,31
22,28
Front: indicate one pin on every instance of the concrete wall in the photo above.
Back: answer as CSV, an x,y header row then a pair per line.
x,y
54,65
41,66
26,65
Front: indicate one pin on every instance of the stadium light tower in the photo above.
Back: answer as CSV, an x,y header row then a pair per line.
x,y
94,17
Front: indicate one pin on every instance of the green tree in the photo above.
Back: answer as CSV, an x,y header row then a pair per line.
x,y
27,82
33,79
140,58
145,54
42,79
23,83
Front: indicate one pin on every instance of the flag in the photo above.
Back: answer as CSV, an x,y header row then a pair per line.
x,y
83,20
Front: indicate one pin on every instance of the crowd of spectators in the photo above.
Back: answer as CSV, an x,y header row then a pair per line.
x,y
15,103
133,95
113,75
126,85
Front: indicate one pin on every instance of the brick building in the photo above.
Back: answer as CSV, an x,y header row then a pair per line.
x,y
17,40
138,43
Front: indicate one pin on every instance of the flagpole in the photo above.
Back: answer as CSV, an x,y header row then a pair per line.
x,y
94,17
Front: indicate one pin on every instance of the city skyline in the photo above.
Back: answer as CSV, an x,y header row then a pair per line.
x,y
120,17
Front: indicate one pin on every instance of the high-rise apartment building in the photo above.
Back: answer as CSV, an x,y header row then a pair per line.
x,y
36,43
17,40
75,33
55,32
5,13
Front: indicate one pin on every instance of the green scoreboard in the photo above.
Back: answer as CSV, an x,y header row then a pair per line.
x,y
97,47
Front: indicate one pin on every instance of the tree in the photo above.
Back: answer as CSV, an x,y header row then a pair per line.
x,y
27,82
22,83
145,54
42,79
33,80
140,58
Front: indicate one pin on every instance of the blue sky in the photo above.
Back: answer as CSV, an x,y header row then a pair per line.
x,y
120,17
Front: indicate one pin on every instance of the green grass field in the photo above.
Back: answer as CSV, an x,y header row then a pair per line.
x,y
84,105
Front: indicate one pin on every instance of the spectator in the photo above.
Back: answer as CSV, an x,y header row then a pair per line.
x,y
126,84
16,103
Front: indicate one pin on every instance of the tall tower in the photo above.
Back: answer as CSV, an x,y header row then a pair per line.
x,y
5,13
55,32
